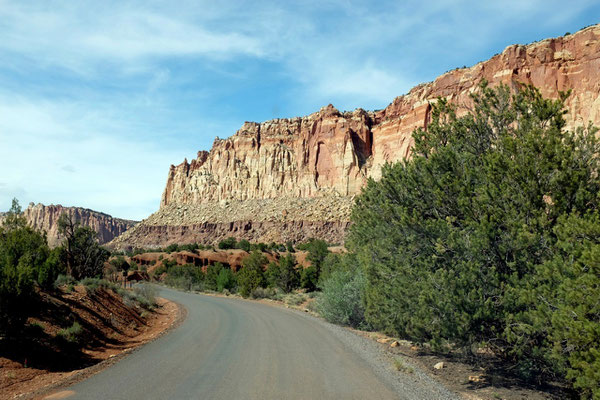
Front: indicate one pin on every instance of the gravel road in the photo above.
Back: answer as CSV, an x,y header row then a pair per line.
x,y
234,349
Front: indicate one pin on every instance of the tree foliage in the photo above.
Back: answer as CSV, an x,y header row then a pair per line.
x,y
84,257
342,285
284,274
229,243
462,235
252,274
226,280
317,252
25,261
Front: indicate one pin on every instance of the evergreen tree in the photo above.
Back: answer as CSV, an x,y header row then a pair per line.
x,y
454,241
84,257
252,274
24,259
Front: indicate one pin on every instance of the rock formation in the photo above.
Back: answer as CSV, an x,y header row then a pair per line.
x,y
46,218
251,184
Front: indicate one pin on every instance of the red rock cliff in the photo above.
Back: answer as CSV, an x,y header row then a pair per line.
x,y
329,152
249,185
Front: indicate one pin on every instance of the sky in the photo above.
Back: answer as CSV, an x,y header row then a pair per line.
x,y
99,98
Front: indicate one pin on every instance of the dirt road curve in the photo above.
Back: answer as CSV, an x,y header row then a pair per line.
x,y
235,349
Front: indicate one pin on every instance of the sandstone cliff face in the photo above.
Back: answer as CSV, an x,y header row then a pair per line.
x,y
330,154
320,154
46,218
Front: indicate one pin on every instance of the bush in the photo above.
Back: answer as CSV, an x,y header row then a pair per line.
x,y
187,277
337,262
72,333
212,275
563,306
146,294
244,245
51,269
264,293
24,257
229,243
317,252
340,300
252,273
172,248
120,263
226,280
189,247
295,299
62,280
309,278
262,247
93,284
284,275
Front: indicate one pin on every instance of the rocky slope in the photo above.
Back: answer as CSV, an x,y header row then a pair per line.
x,y
326,157
46,218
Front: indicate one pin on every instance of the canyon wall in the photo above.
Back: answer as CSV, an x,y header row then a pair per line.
x,y
46,218
330,154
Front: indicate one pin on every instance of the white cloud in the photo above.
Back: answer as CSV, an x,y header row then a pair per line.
x,y
63,153
84,36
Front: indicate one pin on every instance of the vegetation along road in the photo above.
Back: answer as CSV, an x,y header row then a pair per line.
x,y
234,349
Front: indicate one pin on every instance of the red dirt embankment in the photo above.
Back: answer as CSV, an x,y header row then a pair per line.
x,y
75,334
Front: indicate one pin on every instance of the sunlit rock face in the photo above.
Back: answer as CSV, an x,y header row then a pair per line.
x,y
46,218
331,154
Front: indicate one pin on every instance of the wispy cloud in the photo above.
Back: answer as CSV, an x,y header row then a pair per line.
x,y
48,140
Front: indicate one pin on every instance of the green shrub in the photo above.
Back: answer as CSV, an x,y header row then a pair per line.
x,y
340,300
295,299
563,306
272,274
189,247
244,245
72,333
229,243
172,248
212,276
309,278
262,247
93,284
226,280
252,273
134,266
264,293
337,262
24,257
146,294
285,275
317,252
51,269
187,277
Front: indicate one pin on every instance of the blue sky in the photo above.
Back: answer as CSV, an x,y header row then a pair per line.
x,y
97,99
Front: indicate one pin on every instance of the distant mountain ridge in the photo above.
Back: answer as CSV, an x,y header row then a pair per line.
x,y
46,218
